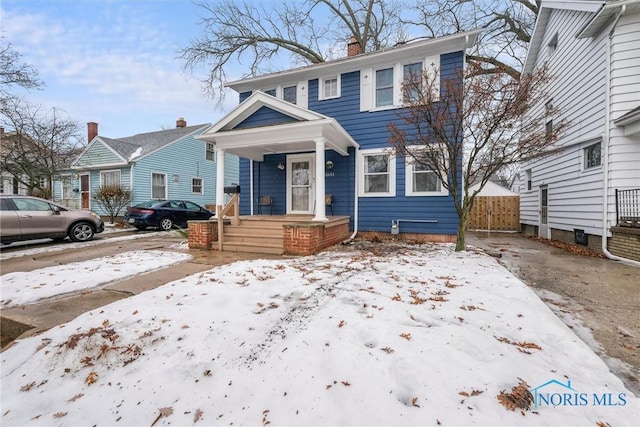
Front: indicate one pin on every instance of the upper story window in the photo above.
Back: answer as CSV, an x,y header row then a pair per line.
x,y
593,156
110,178
293,92
412,75
210,152
527,176
329,87
289,94
377,171
384,87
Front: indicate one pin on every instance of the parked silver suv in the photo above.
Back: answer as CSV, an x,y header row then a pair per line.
x,y
27,218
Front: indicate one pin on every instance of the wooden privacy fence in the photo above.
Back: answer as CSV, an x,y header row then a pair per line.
x,y
499,213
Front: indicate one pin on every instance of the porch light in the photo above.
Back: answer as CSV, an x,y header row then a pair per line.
x,y
281,166
329,165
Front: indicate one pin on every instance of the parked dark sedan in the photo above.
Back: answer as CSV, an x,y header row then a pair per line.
x,y
164,214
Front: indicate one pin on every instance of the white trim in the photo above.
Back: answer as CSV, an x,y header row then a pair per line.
x,y
420,48
201,185
391,173
119,172
583,156
408,182
321,87
294,158
166,185
368,81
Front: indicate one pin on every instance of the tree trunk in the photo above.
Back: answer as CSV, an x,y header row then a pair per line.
x,y
462,229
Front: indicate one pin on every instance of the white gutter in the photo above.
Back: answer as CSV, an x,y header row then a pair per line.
x,y
607,136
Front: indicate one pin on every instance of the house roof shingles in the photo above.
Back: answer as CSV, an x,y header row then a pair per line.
x,y
148,142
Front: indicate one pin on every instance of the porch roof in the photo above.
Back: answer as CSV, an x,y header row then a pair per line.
x,y
296,136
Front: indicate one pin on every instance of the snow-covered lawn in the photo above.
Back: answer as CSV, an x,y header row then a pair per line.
x,y
370,335
22,288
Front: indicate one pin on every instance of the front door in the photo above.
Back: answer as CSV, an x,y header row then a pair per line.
x,y
84,191
543,229
300,193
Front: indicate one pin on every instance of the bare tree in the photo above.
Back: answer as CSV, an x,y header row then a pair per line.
x,y
465,133
15,73
255,34
40,145
508,25
113,199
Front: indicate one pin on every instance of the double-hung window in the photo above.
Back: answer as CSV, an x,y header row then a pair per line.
x,y
329,88
159,186
196,185
377,172
384,87
412,78
210,152
421,179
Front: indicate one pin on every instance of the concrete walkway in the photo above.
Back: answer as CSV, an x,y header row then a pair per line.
x,y
603,294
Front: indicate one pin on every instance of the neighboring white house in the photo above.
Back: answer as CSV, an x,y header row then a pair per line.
x,y
593,51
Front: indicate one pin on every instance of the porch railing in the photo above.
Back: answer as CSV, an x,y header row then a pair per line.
x,y
221,211
628,208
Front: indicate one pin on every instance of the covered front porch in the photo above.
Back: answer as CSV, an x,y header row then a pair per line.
x,y
287,151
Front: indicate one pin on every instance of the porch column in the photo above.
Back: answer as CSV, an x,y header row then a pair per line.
x,y
320,187
219,179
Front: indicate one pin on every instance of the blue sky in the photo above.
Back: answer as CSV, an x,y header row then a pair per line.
x,y
114,62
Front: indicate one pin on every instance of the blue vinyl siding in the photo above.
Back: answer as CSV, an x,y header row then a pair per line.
x,y
98,154
265,117
369,130
94,185
180,161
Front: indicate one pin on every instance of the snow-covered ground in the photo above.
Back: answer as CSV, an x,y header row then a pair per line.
x,y
366,335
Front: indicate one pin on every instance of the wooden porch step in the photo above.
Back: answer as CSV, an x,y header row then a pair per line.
x,y
259,248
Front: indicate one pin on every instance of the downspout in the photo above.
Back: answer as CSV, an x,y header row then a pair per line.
x,y
607,136
355,200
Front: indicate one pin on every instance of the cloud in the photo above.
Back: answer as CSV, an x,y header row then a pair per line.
x,y
126,59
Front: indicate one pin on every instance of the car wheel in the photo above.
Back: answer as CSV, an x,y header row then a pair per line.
x,y
166,223
81,232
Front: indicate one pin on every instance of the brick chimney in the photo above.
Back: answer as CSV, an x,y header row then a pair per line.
x,y
181,123
353,47
92,131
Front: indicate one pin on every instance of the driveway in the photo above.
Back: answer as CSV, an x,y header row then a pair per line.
x,y
601,294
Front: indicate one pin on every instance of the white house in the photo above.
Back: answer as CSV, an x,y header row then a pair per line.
x,y
592,49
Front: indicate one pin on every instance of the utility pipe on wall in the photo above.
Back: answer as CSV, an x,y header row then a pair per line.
x,y
607,138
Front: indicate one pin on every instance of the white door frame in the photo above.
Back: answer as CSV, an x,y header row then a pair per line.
x,y
294,158
543,226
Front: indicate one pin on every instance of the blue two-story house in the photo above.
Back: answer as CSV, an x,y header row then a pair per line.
x,y
313,144
160,165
